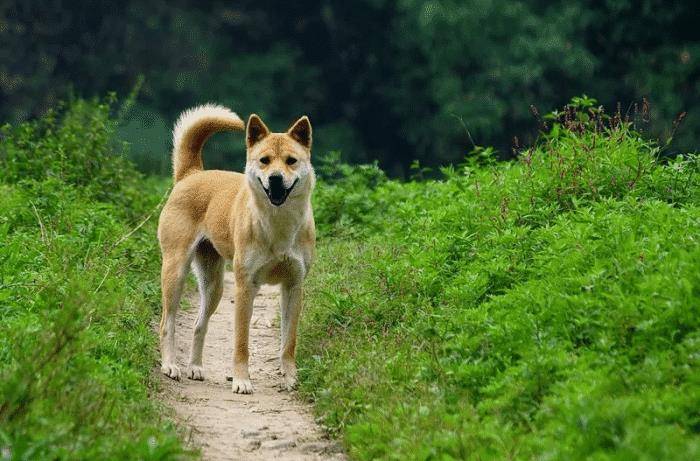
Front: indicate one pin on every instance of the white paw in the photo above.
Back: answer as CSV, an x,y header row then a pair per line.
x,y
171,371
195,372
289,382
289,376
242,386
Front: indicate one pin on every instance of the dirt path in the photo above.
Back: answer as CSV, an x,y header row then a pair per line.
x,y
267,425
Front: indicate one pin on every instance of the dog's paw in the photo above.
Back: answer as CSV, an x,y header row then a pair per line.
x,y
242,386
171,371
289,376
195,372
289,383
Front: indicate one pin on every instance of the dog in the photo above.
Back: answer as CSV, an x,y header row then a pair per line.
x,y
261,220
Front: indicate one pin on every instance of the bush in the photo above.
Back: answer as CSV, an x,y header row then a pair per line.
x,y
78,290
545,308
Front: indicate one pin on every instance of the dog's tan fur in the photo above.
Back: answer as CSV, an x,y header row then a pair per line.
x,y
212,216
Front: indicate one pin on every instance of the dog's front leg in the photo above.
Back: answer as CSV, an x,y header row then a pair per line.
x,y
291,307
243,310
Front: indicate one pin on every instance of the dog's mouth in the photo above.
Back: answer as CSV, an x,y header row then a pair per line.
x,y
277,193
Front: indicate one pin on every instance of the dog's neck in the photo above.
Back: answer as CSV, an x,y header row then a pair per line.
x,y
278,227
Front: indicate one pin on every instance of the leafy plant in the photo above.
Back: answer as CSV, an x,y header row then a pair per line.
x,y
542,308
78,293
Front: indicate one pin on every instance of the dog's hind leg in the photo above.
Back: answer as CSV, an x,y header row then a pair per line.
x,y
173,272
208,266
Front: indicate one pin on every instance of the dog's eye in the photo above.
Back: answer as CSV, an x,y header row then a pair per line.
x,y
291,160
265,160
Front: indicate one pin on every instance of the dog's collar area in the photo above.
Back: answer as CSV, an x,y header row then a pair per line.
x,y
278,201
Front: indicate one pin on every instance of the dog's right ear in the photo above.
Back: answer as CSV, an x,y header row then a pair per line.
x,y
255,131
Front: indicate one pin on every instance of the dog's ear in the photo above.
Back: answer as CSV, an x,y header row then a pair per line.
x,y
300,131
255,131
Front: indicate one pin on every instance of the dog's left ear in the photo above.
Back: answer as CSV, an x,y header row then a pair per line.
x,y
300,131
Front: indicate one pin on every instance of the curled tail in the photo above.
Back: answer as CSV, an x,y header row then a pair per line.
x,y
192,130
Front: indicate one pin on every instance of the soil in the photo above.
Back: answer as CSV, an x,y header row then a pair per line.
x,y
268,424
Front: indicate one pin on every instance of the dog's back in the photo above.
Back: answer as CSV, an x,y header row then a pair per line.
x,y
202,200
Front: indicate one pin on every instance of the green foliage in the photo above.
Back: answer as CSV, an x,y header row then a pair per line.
x,y
345,202
547,308
388,80
78,293
75,146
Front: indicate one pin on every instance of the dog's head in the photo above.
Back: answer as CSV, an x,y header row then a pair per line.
x,y
278,165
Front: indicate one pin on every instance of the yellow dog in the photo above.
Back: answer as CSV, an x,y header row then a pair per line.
x,y
261,220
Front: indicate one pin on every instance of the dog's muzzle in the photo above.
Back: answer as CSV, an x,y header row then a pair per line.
x,y
277,193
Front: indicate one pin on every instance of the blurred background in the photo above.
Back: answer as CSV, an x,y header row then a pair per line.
x,y
392,81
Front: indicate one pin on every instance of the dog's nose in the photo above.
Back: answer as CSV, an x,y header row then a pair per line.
x,y
276,181
276,191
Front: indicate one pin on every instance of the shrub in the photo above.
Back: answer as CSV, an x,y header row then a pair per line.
x,y
544,308
78,294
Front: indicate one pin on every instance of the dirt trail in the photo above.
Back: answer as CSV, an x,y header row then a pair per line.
x,y
269,424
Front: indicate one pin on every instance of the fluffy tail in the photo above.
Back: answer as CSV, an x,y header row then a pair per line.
x,y
192,130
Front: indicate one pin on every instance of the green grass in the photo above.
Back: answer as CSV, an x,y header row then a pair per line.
x,y
547,308
78,294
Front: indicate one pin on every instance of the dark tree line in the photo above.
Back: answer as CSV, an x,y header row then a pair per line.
x,y
381,79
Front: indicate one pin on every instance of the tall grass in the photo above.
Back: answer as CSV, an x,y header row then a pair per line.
x,y
78,290
547,308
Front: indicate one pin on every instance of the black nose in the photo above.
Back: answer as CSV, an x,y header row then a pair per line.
x,y
277,192
276,181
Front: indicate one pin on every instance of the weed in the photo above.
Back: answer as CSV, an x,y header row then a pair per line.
x,y
78,294
543,308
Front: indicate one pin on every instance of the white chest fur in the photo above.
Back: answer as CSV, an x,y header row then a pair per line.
x,y
277,244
